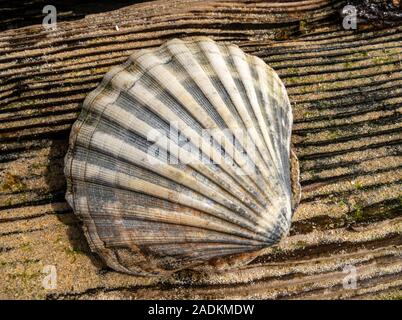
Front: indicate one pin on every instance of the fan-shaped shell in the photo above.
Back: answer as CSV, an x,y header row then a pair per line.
x,y
181,156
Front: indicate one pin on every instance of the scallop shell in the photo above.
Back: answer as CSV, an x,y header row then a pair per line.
x,y
181,157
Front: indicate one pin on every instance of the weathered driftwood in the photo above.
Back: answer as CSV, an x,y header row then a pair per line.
x,y
345,90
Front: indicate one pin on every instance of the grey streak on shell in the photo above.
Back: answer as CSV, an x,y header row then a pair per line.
x,y
149,218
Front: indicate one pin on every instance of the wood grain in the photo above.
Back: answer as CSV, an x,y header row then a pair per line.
x,y
345,87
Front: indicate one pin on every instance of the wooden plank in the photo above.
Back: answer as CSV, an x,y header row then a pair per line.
x,y
345,90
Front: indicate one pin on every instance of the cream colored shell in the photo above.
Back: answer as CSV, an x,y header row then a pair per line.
x,y
181,157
